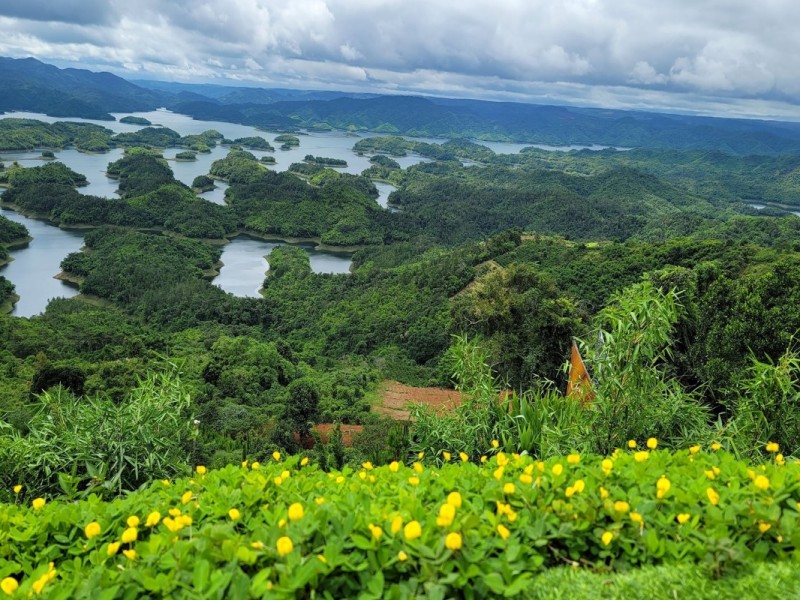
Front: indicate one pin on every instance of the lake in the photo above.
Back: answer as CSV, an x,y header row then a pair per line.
x,y
33,269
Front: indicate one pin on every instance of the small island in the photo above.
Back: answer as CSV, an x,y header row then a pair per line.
x,y
268,160
186,156
47,155
203,183
254,143
325,161
287,141
130,120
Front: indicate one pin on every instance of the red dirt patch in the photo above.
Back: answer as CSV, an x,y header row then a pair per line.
x,y
325,431
395,398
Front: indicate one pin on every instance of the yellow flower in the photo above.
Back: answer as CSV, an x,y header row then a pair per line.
x,y
573,459
421,455
133,521
503,531
255,466
713,496
282,523
662,486
244,464
320,500
296,511
38,503
367,465
17,490
394,466
418,468
761,482
453,541
694,449
153,519
187,497
773,447
129,554
636,517
397,524
257,545
185,520
641,456
569,492
509,488
454,499
92,529
557,469
621,506
652,443
526,479
279,480
413,530
113,548
276,455
322,559
502,459
579,485
603,493
413,480
484,458
304,461
764,527
201,470
129,535
447,456
495,444
463,456
234,514
606,538
362,475
402,556
779,459
175,512
447,513
498,473
172,524
683,517
631,444
607,465
284,545
716,446
9,585
377,532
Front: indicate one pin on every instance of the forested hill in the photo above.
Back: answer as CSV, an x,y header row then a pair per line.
x,y
557,125
28,84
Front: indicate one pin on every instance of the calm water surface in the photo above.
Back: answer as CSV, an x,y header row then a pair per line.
x,y
246,265
33,269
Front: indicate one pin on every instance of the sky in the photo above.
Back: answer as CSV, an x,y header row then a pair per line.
x,y
722,57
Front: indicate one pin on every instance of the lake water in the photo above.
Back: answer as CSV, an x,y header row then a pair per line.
x,y
246,265
33,269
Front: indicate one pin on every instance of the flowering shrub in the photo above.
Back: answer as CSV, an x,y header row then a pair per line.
x,y
488,529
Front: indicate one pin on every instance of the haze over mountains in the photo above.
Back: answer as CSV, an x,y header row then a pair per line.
x,y
28,84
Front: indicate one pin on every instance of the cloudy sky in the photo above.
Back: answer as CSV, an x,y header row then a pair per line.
x,y
729,57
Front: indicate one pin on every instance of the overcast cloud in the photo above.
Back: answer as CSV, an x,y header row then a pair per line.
x,y
719,56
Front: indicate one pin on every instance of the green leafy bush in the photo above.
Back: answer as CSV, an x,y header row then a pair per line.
x,y
288,529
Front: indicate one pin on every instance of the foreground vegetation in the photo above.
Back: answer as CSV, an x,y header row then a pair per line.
x,y
478,528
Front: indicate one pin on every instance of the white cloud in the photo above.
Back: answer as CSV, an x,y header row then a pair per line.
x,y
620,48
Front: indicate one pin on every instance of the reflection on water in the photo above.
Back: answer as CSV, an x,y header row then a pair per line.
x,y
245,264
33,269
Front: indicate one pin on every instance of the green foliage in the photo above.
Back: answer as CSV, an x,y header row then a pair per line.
x,y
625,355
94,445
254,143
11,231
509,540
767,407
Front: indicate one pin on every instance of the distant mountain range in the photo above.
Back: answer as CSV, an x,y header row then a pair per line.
x,y
28,84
